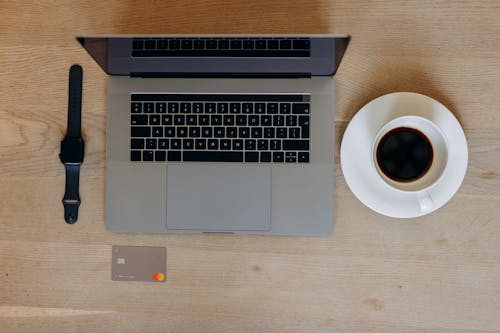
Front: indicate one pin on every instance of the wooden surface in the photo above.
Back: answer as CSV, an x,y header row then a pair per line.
x,y
439,273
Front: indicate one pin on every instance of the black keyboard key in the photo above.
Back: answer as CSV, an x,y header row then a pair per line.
x,y
235,107
216,120
173,156
212,156
244,132
303,121
154,119
137,44
213,144
148,107
294,133
260,108
250,144
237,144
211,44
137,119
175,144
197,107
136,107
173,107
185,107
272,108
219,132
301,44
295,144
186,44
150,143
210,108
253,120
203,119
192,119
235,44
262,144
147,155
303,157
281,132
223,44
206,132
157,132
160,156
266,120
200,144
273,44
290,159
169,132
194,132
278,157
285,108
304,132
265,156
278,120
163,144
285,44
251,157
241,120
166,119
300,108
140,132
248,44
260,44
228,120
222,107
150,44
174,44
291,121
135,155
161,107
225,144
179,119
275,144
256,132
269,132
199,44
232,132
247,108
137,143
162,44
182,132
187,143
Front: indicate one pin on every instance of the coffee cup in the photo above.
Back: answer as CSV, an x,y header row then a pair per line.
x,y
410,154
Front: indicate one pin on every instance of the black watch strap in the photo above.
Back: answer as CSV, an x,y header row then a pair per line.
x,y
75,102
71,200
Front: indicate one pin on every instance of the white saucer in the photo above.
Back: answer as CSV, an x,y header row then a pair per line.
x,y
356,154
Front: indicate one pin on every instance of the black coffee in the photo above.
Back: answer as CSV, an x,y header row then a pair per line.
x,y
404,154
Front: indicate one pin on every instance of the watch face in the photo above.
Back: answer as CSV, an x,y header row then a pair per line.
x,y
71,150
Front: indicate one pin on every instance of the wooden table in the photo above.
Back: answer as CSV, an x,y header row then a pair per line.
x,y
439,273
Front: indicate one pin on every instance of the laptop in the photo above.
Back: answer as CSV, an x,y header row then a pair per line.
x,y
219,134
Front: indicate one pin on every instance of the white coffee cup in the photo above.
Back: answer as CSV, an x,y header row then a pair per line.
x,y
420,186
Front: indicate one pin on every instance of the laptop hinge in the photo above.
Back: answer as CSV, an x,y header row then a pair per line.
x,y
222,75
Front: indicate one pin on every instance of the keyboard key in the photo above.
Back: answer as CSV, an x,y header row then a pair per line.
x,y
179,119
281,132
222,107
251,157
290,159
148,107
147,155
166,119
228,120
210,108
300,108
188,144
137,144
197,107
250,144
272,108
269,132
185,107
160,156
235,107
219,132
225,144
260,44
169,132
301,44
247,108
244,132
294,133
211,44
278,120
200,143
139,119
162,44
137,44
231,132
204,119
265,157
154,119
248,44
173,107
266,120
216,120
260,108
206,132
173,156
275,144
295,144
212,156
175,144
291,120
174,44
150,44
136,107
213,144
303,157
235,44
256,132
278,156
237,144
241,120
191,119
303,121
223,44
157,132
199,44
194,132
135,155
163,144
273,44
253,120
150,143
182,132
285,108
186,44
161,107
285,44
263,144
140,132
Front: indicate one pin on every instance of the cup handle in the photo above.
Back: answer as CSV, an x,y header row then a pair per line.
x,y
425,201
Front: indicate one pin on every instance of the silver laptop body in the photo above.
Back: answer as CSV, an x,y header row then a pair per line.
x,y
269,185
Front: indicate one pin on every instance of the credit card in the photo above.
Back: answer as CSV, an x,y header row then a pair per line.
x,y
139,263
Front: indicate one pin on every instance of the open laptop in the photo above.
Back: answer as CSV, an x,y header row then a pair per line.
x,y
231,134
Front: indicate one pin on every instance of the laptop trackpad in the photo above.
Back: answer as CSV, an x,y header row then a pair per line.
x,y
219,197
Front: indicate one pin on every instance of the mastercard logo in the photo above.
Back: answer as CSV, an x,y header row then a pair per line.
x,y
158,277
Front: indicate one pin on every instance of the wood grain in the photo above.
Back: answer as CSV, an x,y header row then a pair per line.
x,y
439,273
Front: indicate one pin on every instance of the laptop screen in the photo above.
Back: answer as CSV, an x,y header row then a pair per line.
x,y
217,55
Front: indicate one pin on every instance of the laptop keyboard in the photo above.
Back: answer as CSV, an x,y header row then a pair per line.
x,y
220,128
221,47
